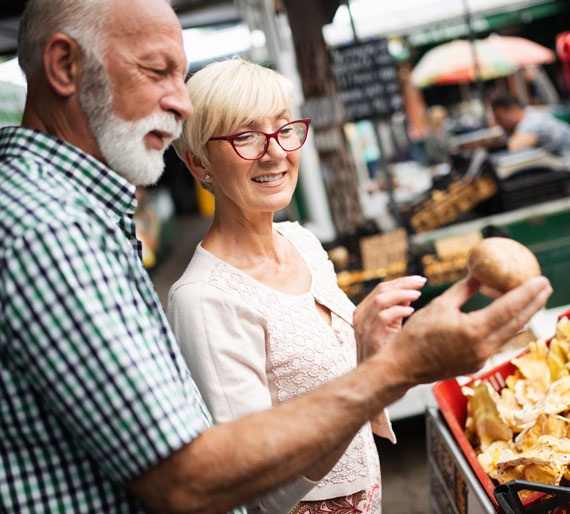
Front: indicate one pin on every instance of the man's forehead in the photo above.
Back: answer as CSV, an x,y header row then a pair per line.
x,y
147,32
131,17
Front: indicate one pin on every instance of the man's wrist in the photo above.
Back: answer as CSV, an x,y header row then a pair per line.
x,y
380,381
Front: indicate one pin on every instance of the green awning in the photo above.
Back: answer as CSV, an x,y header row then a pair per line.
x,y
454,29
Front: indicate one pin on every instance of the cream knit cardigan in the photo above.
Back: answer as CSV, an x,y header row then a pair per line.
x,y
250,347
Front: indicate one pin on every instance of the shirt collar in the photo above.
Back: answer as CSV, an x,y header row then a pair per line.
x,y
81,170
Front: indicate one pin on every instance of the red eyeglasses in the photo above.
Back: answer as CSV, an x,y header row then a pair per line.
x,y
252,144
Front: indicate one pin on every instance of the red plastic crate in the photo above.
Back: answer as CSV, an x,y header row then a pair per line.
x,y
453,406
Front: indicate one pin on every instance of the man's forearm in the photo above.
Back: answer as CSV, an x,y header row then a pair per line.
x,y
522,140
232,463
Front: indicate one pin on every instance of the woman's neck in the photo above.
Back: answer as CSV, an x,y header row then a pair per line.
x,y
249,242
242,240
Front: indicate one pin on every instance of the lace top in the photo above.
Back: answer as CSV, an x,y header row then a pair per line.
x,y
250,347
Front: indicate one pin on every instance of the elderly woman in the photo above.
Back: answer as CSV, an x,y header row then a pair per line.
x,y
258,312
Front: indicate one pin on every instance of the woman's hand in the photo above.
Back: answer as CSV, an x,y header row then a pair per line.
x,y
385,307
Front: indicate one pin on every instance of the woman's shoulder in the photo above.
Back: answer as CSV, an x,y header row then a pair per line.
x,y
197,278
210,280
301,237
293,227
306,243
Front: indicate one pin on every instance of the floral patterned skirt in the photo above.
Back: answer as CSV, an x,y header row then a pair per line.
x,y
365,502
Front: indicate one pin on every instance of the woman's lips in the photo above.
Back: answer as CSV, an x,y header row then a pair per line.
x,y
269,178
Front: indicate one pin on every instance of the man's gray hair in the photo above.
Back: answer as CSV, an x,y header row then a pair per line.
x,y
82,20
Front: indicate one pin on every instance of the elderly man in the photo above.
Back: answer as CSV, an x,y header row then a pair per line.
x,y
530,127
99,412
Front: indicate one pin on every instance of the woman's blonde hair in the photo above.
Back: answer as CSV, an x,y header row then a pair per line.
x,y
226,95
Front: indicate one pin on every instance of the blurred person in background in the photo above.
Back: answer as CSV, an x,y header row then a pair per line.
x,y
99,411
366,145
258,312
436,143
529,127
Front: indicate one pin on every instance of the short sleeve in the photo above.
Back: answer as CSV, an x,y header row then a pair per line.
x,y
532,124
544,127
86,330
223,342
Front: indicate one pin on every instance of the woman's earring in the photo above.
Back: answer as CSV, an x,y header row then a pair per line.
x,y
207,178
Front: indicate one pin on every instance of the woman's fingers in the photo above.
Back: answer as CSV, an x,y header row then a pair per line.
x,y
409,282
394,315
397,297
399,291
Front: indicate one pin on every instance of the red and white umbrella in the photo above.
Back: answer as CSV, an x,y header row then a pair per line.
x,y
454,62
497,56
520,51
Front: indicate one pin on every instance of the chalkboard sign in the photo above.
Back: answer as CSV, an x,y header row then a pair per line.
x,y
324,111
366,80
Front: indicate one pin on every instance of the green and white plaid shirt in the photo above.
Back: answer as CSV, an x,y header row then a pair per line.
x,y
93,387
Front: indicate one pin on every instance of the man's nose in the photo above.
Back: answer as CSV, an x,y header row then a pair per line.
x,y
177,101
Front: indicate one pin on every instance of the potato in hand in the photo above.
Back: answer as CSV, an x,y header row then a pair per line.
x,y
502,264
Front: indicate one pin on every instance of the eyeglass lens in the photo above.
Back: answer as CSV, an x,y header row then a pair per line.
x,y
251,145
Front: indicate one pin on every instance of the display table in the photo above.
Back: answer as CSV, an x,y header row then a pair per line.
x,y
502,219
454,487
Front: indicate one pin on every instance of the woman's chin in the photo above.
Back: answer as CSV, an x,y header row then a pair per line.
x,y
275,206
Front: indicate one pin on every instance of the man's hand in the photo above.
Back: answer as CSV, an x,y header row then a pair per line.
x,y
440,341
378,318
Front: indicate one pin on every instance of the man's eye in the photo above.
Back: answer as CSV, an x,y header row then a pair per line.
x,y
157,71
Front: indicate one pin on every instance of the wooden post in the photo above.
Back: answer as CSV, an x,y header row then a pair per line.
x,y
306,20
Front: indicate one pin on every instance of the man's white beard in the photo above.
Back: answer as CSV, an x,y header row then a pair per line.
x,y
122,142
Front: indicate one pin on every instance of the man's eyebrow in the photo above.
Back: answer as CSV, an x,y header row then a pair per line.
x,y
174,63
161,55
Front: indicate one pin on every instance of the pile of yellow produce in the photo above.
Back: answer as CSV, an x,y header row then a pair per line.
x,y
523,432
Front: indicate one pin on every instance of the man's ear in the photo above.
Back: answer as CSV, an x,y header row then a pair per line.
x,y
62,64
195,165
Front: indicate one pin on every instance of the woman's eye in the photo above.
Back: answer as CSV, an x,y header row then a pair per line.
x,y
245,138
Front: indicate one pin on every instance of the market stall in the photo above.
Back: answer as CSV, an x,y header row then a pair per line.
x,y
543,228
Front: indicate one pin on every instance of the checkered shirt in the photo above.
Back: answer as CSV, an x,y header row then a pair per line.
x,y
93,387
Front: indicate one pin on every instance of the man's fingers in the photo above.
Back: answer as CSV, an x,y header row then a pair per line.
x,y
509,313
451,342
489,292
459,292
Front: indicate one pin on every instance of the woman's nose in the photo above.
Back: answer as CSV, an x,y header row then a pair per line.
x,y
274,149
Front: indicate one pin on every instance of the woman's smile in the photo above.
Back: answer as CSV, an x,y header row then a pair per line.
x,y
272,179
